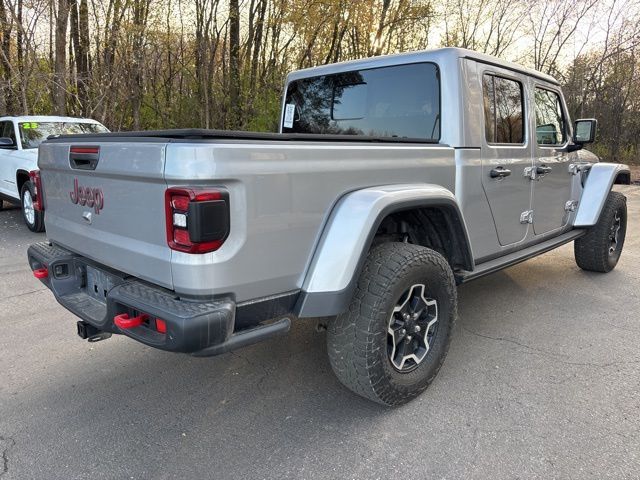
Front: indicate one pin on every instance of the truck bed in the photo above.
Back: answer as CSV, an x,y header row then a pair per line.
x,y
225,135
281,190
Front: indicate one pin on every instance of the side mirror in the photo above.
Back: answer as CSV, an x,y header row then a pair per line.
x,y
6,142
584,131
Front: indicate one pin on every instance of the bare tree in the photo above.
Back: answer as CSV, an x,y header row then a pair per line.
x,y
487,26
6,27
221,64
553,24
234,64
139,24
59,90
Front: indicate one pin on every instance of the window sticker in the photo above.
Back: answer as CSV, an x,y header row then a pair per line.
x,y
289,112
29,125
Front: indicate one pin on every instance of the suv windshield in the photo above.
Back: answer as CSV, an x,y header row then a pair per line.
x,y
400,101
33,134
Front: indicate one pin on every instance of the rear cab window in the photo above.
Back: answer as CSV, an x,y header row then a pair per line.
x,y
503,110
393,102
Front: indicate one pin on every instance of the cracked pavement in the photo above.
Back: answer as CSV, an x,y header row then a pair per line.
x,y
542,381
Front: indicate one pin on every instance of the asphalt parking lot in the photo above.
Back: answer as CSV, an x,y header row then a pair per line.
x,y
542,381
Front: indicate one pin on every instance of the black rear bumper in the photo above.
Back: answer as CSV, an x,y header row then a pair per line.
x,y
198,327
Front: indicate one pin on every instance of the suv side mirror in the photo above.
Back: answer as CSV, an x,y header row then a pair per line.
x,y
6,142
584,131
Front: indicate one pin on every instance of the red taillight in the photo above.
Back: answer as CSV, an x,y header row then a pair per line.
x,y
181,237
180,203
85,150
34,176
197,219
161,326
41,273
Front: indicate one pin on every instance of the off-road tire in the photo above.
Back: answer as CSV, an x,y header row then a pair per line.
x,y
38,217
357,339
592,250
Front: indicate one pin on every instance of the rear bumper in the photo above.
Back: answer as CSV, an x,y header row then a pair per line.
x,y
198,327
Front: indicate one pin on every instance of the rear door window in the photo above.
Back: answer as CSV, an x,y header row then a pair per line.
x,y
398,102
503,110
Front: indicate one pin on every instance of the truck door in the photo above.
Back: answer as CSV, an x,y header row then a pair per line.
x,y
506,153
552,178
7,160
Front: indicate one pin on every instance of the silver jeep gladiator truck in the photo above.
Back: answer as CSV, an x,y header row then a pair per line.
x,y
392,180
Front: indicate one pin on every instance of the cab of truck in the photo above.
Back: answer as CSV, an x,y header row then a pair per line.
x,y
20,137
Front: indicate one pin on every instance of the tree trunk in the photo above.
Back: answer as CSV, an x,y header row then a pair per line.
x,y
6,95
257,46
59,89
140,15
234,65
115,14
74,47
80,39
19,39
376,48
22,78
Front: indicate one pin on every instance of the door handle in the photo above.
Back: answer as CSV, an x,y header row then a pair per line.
x,y
543,170
499,172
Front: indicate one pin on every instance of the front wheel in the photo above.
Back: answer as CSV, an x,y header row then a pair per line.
x,y
599,250
393,339
32,217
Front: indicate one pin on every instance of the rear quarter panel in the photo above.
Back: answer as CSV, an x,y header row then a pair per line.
x,y
281,194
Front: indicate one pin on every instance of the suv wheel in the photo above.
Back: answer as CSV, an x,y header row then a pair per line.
x,y
33,218
599,250
393,339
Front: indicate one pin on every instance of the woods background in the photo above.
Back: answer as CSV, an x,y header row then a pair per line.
x,y
144,64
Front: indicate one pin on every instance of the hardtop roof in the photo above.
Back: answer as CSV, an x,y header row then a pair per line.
x,y
433,55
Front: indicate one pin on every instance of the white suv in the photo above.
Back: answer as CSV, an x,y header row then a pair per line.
x,y
19,141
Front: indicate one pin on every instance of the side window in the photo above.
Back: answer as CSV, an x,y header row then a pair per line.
x,y
550,123
6,130
503,110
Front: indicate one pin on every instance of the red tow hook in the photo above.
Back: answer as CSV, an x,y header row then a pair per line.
x,y
124,322
41,273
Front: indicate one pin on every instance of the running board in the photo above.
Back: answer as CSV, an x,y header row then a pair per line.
x,y
485,268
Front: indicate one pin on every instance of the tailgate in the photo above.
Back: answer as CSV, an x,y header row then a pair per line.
x,y
122,221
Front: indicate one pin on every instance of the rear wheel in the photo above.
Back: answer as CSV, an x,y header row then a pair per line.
x,y
392,341
33,218
599,250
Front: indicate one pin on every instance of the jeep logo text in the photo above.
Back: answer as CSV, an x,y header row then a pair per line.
x,y
91,197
